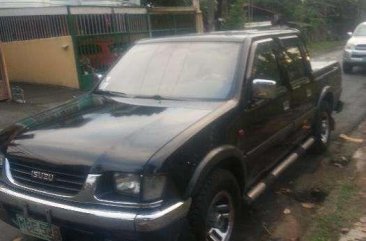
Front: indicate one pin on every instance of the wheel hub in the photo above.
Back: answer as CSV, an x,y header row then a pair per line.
x,y
220,218
324,128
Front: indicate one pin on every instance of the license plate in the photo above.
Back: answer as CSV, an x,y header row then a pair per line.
x,y
38,229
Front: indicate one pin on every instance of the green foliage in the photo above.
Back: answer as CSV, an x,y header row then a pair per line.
x,y
318,19
327,19
284,7
204,4
343,210
236,18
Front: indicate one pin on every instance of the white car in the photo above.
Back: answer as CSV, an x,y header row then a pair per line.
x,y
355,50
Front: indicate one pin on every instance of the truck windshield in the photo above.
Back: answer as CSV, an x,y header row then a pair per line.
x,y
175,70
360,30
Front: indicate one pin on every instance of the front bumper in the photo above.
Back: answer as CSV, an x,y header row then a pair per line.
x,y
83,215
354,57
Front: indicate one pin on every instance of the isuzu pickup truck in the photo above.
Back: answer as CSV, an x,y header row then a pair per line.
x,y
178,134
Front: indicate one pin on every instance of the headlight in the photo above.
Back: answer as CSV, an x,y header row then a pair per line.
x,y
150,188
153,187
350,46
127,184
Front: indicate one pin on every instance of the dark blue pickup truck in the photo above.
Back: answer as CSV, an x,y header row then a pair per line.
x,y
178,134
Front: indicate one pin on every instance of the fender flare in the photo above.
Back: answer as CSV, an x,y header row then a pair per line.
x,y
211,160
326,90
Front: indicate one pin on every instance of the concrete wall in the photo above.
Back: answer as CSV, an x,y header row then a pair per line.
x,y
52,3
44,61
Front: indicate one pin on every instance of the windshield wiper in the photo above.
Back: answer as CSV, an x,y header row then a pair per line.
x,y
156,97
110,93
121,94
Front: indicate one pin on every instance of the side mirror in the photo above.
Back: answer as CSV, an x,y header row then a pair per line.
x,y
350,34
264,89
97,77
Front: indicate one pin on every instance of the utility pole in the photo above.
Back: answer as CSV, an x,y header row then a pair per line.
x,y
198,14
211,6
250,10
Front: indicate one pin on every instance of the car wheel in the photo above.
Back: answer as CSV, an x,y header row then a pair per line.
x,y
322,128
347,68
215,207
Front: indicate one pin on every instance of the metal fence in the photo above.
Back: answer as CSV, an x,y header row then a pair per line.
x,y
18,28
100,34
101,39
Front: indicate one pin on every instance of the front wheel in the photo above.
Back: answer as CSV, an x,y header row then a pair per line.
x,y
215,207
322,128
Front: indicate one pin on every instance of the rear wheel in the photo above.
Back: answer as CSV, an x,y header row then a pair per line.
x,y
347,68
322,127
215,207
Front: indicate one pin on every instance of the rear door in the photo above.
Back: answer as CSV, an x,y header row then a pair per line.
x,y
266,121
294,60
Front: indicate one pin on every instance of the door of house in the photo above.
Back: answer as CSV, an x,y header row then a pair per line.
x,y
4,81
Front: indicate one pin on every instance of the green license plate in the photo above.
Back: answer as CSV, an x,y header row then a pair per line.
x,y
38,229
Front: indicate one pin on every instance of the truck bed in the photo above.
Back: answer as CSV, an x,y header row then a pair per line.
x,y
323,67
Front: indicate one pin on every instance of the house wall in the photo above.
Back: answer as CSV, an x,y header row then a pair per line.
x,y
42,61
52,3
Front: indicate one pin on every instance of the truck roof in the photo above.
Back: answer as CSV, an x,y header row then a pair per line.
x,y
229,36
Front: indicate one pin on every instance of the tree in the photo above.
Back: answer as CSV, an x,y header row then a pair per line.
x,y
236,17
328,19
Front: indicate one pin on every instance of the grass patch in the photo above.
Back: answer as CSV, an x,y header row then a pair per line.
x,y
317,48
342,209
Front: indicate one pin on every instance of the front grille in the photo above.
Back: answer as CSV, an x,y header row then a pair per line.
x,y
67,181
361,47
359,55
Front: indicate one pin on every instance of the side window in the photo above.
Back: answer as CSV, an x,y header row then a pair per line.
x,y
265,65
292,59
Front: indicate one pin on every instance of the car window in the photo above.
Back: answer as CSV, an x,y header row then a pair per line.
x,y
194,70
360,30
265,65
292,59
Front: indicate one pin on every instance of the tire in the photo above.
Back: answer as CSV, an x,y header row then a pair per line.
x,y
347,68
322,128
215,207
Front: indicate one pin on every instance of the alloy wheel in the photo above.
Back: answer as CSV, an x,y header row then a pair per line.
x,y
220,217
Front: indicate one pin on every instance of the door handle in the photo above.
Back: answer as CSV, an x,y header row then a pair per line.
x,y
286,105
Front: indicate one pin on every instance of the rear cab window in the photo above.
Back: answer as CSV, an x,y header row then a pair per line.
x,y
292,59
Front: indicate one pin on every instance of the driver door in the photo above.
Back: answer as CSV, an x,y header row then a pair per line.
x,y
267,119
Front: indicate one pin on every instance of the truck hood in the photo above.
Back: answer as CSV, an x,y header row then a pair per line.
x,y
99,132
357,40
